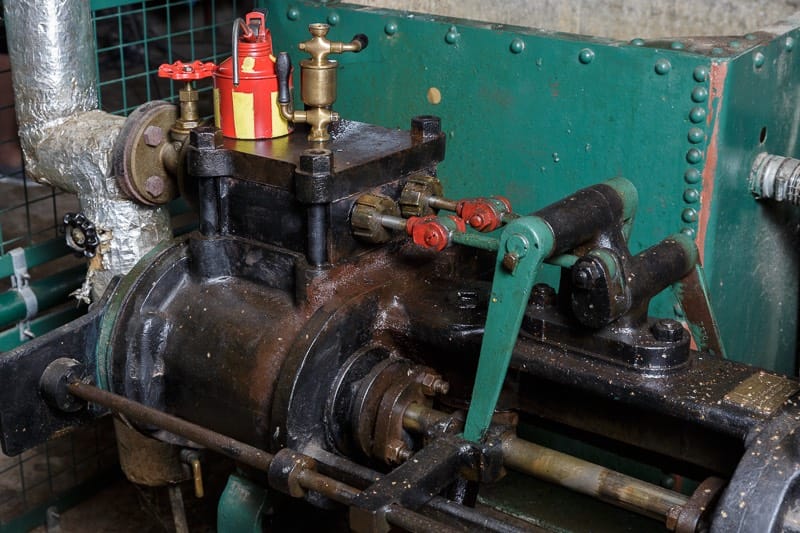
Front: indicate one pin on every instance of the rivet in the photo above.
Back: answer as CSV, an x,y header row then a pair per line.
x,y
452,35
758,59
662,66
333,19
692,176
390,28
586,56
700,74
750,37
788,44
637,42
717,51
699,94
689,232
697,114
517,46
696,135
691,196
689,215
292,13
676,45
735,44
694,156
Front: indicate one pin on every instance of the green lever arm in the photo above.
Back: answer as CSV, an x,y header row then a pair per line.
x,y
524,245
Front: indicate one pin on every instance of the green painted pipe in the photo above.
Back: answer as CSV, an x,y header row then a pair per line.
x,y
49,291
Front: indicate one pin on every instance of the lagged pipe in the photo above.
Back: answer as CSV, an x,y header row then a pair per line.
x,y
66,141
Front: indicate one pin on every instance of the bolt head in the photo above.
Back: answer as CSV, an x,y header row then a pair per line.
x,y
153,135
206,138
510,261
425,127
397,452
316,161
543,295
667,330
585,273
154,185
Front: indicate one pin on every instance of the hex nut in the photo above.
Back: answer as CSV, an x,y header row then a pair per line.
x,y
153,135
154,186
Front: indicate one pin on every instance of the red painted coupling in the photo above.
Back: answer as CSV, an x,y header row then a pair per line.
x,y
484,214
431,232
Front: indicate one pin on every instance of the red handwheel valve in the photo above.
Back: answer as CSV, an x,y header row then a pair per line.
x,y
188,72
180,71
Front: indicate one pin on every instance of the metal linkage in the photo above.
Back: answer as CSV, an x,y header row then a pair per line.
x,y
304,477
570,472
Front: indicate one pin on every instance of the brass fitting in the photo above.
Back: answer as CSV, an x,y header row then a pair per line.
x,y
189,117
317,81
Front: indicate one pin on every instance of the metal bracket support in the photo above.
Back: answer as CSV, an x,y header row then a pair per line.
x,y
524,245
20,282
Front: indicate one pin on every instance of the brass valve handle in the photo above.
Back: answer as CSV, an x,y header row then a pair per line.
x,y
318,47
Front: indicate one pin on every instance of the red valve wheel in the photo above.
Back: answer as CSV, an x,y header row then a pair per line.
x,y
180,71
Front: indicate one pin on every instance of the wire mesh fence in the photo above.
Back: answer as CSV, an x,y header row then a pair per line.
x,y
132,39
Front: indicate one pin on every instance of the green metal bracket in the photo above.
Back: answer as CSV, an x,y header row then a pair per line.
x,y
524,245
241,506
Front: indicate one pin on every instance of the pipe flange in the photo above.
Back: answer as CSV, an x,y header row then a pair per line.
x,y
145,157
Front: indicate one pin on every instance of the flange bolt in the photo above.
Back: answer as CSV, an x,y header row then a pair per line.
x,y
667,330
543,295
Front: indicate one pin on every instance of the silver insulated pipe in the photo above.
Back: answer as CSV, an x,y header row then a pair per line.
x,y
66,141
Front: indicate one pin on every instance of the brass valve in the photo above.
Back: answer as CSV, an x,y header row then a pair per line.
x,y
317,80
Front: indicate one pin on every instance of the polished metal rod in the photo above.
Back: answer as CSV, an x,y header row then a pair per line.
x,y
568,471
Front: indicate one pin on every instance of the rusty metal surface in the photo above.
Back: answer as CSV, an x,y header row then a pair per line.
x,y
147,461
226,446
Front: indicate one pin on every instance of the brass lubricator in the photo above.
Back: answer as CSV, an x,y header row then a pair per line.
x,y
317,80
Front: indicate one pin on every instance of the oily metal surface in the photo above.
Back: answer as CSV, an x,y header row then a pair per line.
x,y
364,155
204,340
682,119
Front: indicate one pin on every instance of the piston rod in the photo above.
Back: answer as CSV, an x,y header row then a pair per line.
x,y
568,471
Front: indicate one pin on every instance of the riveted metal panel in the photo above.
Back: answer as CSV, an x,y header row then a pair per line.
x,y
535,115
